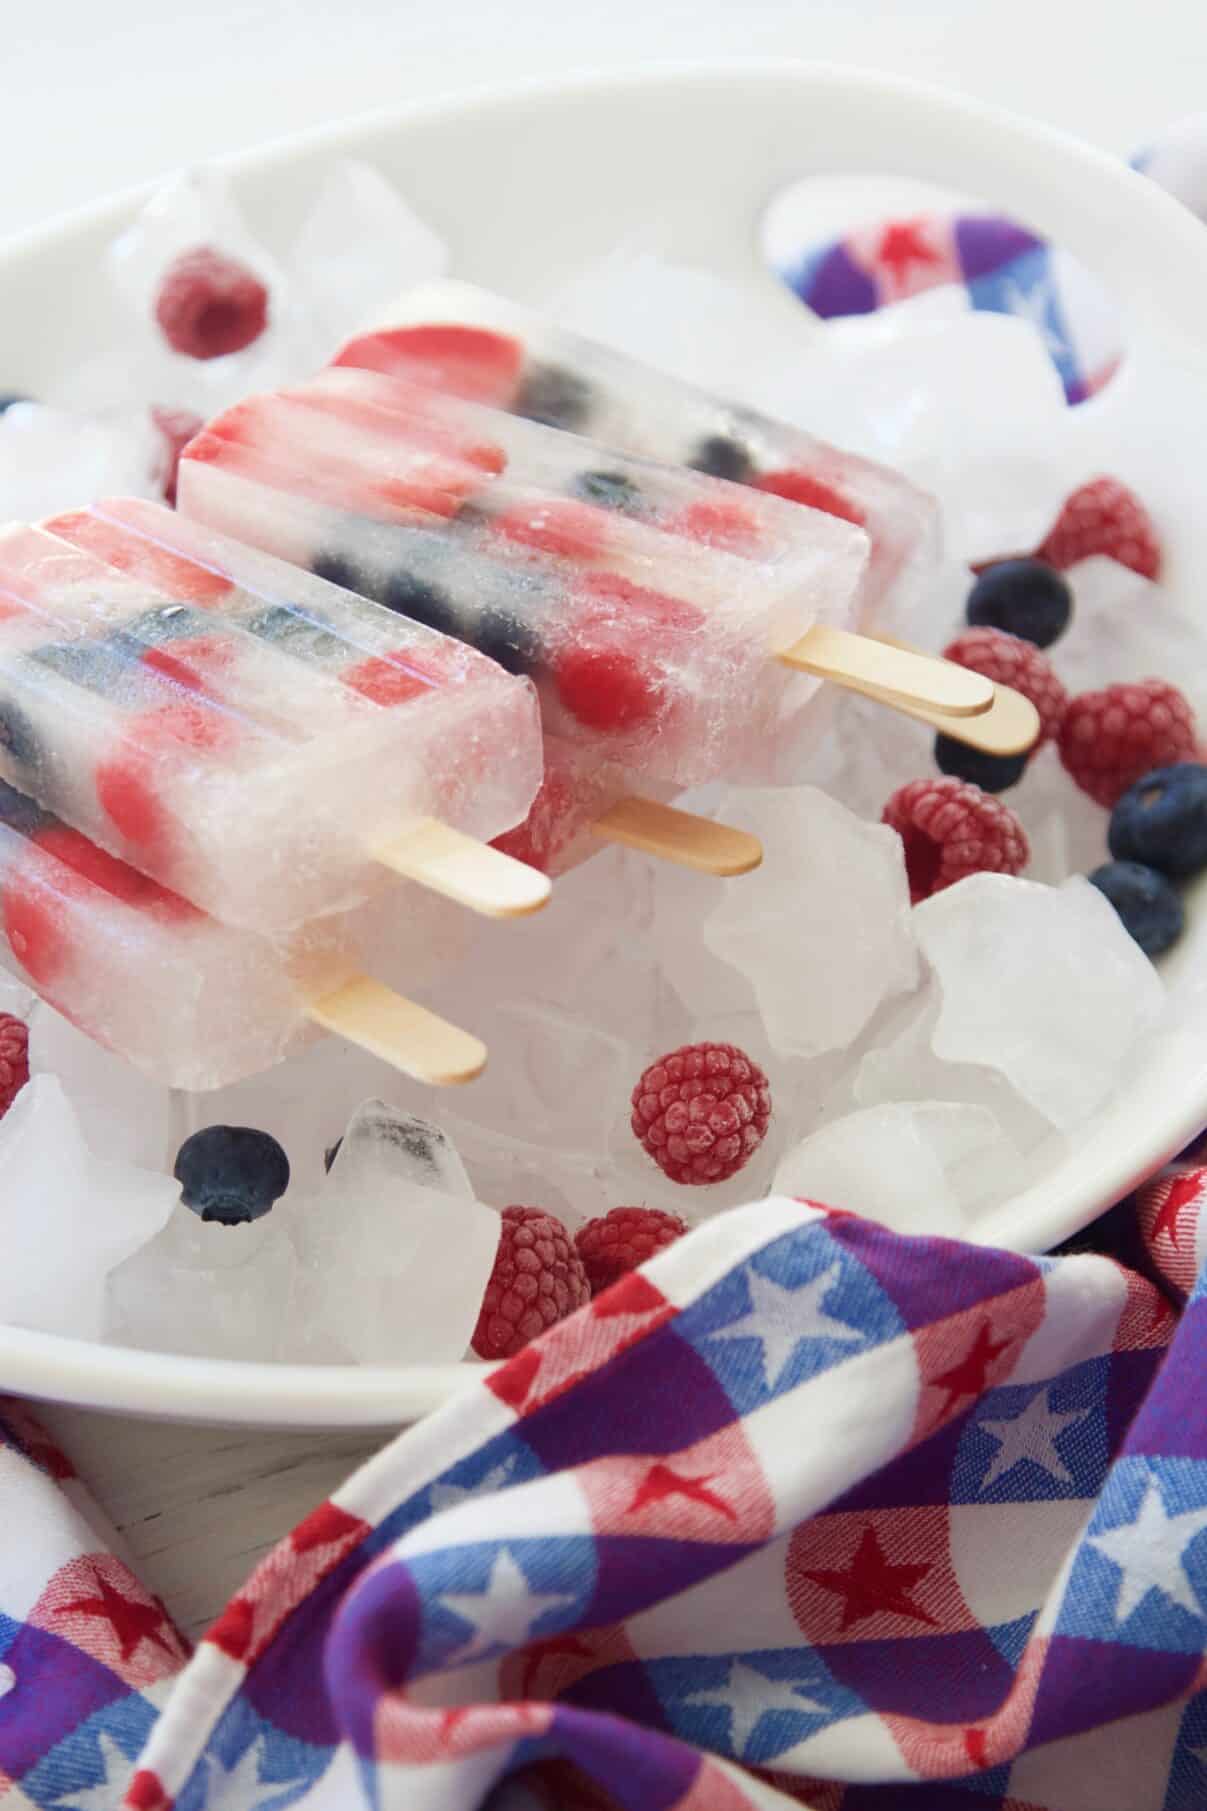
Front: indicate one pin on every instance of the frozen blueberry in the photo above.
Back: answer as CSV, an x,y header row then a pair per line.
x,y
231,1174
20,813
99,666
608,490
297,633
992,773
1022,597
721,457
506,639
9,397
419,599
554,396
19,740
166,622
338,569
1146,902
1162,820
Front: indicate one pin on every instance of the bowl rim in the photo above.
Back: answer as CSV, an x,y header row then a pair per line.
x,y
232,1392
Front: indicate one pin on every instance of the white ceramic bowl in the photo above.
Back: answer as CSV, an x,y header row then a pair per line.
x,y
529,184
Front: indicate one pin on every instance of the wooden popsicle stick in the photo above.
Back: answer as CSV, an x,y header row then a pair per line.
x,y
475,875
680,837
1009,727
417,1041
892,674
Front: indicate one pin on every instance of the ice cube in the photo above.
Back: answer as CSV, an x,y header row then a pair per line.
x,y
205,1289
920,1167
1040,983
822,930
1065,828
359,244
573,1184
1125,627
124,1116
870,752
67,1218
53,459
391,1270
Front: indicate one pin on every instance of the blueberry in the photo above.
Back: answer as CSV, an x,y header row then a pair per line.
x,y
1162,820
166,622
98,666
338,569
992,773
19,740
508,640
231,1174
297,633
1147,904
721,457
9,397
22,814
608,490
417,598
1025,598
554,396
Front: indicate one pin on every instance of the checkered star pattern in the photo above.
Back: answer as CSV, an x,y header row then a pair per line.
x,y
802,1513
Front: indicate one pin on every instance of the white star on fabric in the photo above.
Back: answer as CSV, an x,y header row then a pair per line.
x,y
443,1496
747,1694
1148,1553
7,1678
780,1319
1031,1435
503,1614
112,1784
1033,306
240,1788
1199,1755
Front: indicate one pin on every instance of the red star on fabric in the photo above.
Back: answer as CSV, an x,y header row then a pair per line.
x,y
871,1586
902,244
131,1620
970,1375
661,1482
1182,1190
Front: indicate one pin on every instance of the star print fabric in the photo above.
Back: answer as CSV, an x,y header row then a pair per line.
x,y
803,1513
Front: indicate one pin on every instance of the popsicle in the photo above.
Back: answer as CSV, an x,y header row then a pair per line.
x,y
262,758
194,1003
582,802
470,343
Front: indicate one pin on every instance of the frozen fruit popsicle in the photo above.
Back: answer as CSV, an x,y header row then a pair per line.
x,y
194,1003
485,348
581,802
650,648
259,756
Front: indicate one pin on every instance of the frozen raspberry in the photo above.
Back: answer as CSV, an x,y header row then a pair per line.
x,y
1009,660
1103,517
619,1241
471,362
14,1059
815,493
702,1112
178,427
1111,739
210,305
538,1279
951,829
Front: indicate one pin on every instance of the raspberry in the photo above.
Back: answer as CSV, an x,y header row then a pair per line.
x,y
1104,517
815,493
178,427
1009,660
702,1112
128,782
471,362
538,1279
617,1242
1111,739
210,305
951,829
14,1059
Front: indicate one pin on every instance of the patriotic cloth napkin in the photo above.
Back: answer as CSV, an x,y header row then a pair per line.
x,y
998,264
804,1513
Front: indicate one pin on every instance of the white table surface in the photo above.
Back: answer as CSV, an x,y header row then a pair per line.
x,y
96,98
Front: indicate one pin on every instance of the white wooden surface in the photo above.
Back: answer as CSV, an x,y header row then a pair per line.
x,y
197,1507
